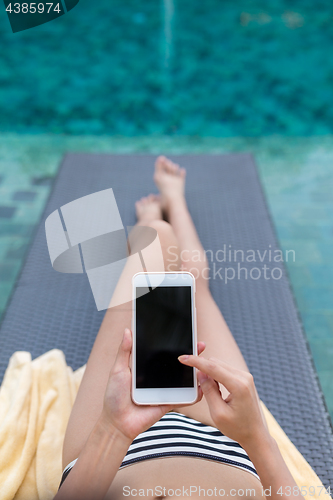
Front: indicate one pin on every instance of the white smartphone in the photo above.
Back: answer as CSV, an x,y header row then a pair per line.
x,y
164,327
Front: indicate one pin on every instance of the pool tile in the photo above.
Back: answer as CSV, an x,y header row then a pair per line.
x,y
9,270
322,351
306,251
304,231
24,195
314,297
7,212
17,251
326,251
318,325
42,181
321,274
24,230
300,275
326,230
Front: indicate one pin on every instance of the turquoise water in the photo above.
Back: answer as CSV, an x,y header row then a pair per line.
x,y
297,176
179,67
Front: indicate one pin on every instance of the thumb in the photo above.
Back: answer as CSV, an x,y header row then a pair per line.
x,y
124,351
211,392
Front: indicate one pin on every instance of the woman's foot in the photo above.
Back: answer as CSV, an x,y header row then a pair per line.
x,y
148,208
170,180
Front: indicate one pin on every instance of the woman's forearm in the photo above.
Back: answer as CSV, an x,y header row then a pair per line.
x,y
97,464
272,470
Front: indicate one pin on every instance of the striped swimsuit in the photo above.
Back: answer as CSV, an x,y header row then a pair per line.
x,y
177,435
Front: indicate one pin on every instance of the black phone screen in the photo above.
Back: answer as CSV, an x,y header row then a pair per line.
x,y
163,332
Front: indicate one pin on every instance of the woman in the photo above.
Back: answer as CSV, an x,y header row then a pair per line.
x,y
220,445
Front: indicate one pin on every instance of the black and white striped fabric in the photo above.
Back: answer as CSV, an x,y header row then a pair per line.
x,y
175,434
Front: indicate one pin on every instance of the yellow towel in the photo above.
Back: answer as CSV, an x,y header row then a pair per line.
x,y
36,398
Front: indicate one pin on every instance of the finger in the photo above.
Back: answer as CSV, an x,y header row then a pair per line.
x,y
124,352
240,375
212,393
214,370
200,394
201,346
229,367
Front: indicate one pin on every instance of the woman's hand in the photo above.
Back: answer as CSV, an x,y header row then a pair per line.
x,y
239,416
127,417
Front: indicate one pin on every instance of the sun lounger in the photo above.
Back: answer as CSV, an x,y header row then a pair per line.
x,y
54,310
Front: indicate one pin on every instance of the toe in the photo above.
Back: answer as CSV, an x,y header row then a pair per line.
x,y
169,166
173,167
159,162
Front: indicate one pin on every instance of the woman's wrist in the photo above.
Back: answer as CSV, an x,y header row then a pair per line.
x,y
260,444
97,463
264,453
271,468
106,428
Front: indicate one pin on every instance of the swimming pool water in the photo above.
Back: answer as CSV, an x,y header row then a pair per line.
x,y
187,67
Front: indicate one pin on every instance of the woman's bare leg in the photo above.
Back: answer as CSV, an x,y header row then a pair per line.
x,y
89,401
211,326
179,238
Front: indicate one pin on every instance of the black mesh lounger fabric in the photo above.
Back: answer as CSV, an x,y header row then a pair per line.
x,y
54,310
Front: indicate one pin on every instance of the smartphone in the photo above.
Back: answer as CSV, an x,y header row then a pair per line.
x,y
164,327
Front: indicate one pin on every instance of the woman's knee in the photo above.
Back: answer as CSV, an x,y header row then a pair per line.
x,y
194,261
169,244
163,228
